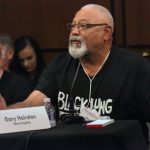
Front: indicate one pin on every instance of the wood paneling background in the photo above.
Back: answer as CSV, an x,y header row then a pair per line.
x,y
137,14
45,20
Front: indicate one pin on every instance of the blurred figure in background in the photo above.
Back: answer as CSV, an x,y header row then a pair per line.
x,y
28,61
6,43
9,80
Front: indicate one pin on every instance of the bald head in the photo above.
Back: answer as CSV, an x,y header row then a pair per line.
x,y
101,12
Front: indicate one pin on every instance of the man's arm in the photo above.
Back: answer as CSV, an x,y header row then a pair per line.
x,y
3,104
34,99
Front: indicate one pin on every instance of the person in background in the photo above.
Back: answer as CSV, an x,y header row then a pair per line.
x,y
7,43
28,61
146,55
12,87
95,77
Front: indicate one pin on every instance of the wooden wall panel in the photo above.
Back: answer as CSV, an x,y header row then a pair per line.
x,y
44,20
137,22
119,23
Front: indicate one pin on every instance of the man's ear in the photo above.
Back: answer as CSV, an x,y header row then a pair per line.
x,y
10,54
107,33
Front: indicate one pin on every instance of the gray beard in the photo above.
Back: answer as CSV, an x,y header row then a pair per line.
x,y
78,52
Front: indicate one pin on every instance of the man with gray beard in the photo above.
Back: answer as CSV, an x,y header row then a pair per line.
x,y
95,75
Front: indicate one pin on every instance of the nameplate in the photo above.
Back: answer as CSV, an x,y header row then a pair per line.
x,y
23,119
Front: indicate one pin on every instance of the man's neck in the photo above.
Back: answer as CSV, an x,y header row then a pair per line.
x,y
93,63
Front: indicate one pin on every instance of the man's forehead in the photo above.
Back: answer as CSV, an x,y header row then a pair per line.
x,y
87,15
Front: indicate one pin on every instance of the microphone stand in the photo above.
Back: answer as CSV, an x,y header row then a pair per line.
x,y
72,117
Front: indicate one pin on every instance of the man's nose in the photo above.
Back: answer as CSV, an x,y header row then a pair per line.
x,y
75,31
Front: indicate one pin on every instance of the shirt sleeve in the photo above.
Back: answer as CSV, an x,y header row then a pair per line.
x,y
47,81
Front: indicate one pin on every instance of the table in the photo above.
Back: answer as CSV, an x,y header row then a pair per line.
x,y
121,135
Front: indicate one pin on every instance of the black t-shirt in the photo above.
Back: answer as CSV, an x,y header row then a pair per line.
x,y
120,90
13,88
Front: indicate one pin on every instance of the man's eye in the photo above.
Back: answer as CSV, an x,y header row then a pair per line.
x,y
83,25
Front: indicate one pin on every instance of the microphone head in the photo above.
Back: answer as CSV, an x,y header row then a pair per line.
x,y
73,119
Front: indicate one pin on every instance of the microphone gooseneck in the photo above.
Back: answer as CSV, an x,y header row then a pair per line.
x,y
72,117
71,108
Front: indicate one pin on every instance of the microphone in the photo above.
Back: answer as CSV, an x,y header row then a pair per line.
x,y
71,108
72,117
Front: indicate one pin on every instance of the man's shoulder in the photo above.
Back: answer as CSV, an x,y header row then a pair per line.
x,y
125,54
61,60
126,60
62,57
